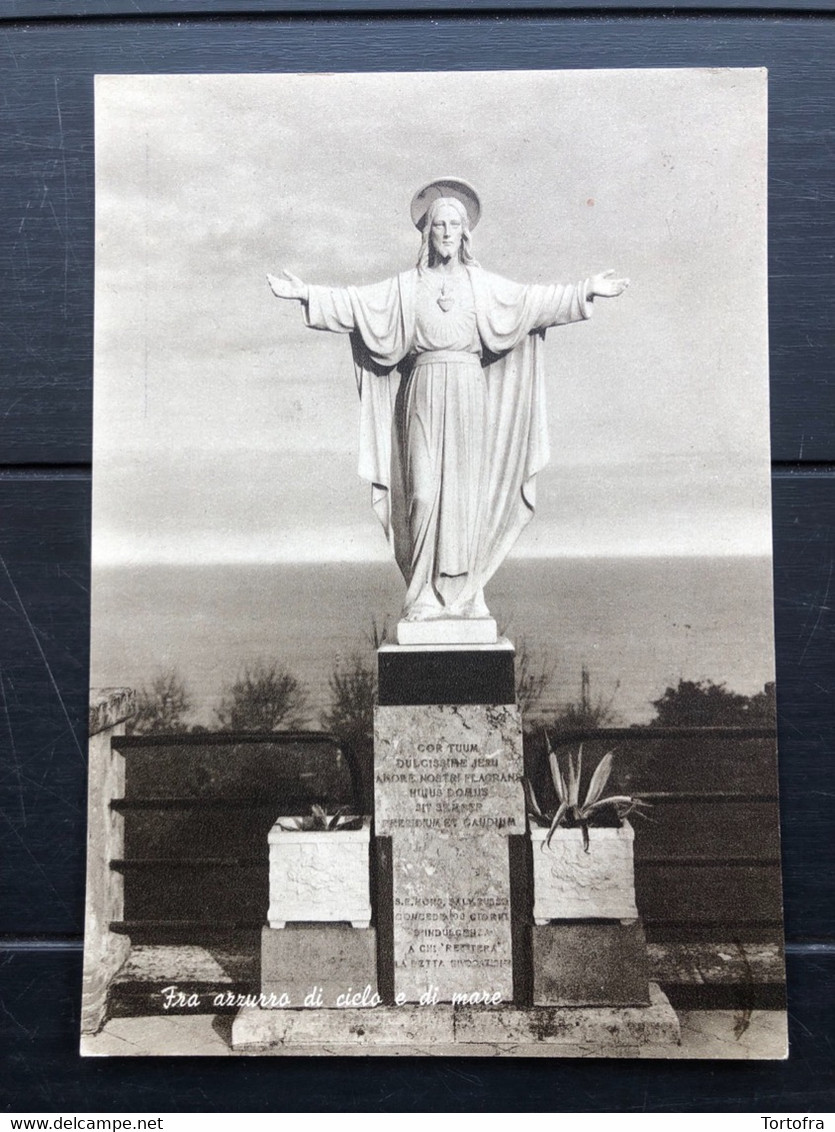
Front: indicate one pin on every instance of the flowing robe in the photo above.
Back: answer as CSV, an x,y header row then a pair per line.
x,y
452,423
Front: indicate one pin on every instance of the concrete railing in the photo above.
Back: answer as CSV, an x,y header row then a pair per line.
x,y
104,950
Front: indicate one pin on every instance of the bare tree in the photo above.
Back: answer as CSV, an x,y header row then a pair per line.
x,y
533,678
264,697
163,707
586,713
350,717
353,687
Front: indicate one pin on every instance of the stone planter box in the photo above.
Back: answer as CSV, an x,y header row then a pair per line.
x,y
319,876
570,884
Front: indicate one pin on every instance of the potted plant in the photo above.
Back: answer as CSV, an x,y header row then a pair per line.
x,y
582,851
319,869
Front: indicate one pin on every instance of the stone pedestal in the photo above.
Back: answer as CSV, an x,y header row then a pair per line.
x,y
319,965
448,631
448,794
454,674
593,963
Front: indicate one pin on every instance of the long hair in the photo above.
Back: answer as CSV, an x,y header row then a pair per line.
x,y
426,256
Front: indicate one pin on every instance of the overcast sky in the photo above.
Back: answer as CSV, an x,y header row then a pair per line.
x,y
226,431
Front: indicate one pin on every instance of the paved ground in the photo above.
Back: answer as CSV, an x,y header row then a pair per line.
x,y
704,1034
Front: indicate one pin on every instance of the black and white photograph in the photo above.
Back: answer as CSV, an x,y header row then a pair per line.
x,y
432,703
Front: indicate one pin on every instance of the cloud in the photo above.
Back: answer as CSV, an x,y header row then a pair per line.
x,y
217,412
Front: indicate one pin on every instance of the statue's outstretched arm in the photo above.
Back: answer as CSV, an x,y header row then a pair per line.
x,y
605,285
323,308
290,287
547,305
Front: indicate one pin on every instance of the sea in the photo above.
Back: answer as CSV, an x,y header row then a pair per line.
x,y
638,625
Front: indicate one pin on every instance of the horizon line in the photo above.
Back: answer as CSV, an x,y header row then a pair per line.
x,y
107,563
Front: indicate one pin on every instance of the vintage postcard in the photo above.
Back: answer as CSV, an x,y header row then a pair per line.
x,y
432,695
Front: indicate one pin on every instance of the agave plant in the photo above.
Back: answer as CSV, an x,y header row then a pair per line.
x,y
319,819
570,810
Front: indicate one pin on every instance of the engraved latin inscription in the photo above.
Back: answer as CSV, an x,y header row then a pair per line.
x,y
448,793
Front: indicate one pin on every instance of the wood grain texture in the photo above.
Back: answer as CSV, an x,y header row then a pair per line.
x,y
113,9
46,208
804,554
47,60
44,597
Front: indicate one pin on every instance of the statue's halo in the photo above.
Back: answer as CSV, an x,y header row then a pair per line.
x,y
445,187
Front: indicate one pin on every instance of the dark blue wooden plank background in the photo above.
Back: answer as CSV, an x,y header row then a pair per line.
x,y
46,247
68,9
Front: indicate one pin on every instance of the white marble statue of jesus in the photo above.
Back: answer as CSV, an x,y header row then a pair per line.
x,y
453,428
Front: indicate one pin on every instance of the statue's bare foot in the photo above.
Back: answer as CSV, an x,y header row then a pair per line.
x,y
478,606
475,608
425,608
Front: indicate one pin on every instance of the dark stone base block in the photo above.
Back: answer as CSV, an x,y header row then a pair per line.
x,y
416,674
590,963
318,964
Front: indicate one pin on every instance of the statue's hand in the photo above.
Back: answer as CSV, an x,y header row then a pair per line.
x,y
290,287
606,286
